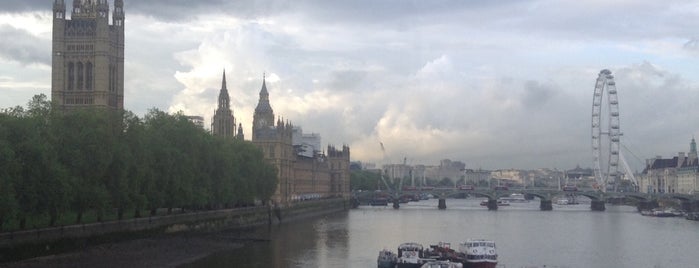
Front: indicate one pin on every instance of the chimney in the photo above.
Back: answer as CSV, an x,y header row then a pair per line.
x,y
680,159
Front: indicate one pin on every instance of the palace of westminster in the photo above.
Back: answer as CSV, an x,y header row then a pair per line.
x,y
88,71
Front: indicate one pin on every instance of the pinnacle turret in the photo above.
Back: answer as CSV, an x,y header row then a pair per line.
x,y
223,97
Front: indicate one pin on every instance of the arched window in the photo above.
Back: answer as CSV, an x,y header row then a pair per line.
x,y
88,76
81,73
71,75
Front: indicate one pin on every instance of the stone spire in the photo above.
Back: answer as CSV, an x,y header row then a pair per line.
x,y
264,115
223,123
263,105
223,97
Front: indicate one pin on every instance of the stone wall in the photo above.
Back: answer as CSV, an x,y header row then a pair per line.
x,y
194,221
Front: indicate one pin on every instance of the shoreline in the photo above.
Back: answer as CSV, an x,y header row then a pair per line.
x,y
167,246
159,251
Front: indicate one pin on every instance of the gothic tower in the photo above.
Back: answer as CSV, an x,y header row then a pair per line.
x,y
88,55
223,123
264,115
692,151
275,142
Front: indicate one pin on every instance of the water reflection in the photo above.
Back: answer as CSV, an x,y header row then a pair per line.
x,y
568,236
319,242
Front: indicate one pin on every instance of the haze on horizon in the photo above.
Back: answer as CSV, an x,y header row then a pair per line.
x,y
495,84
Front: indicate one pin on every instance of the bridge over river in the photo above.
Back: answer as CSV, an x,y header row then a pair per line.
x,y
643,201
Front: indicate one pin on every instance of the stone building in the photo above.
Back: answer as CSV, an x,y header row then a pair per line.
x,y
396,172
88,55
223,122
473,177
300,177
679,174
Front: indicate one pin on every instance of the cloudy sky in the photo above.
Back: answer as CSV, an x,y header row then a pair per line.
x,y
495,84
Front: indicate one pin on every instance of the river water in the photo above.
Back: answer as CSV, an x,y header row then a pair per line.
x,y
568,236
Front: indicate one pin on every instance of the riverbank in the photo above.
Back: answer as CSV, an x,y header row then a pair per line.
x,y
161,251
170,241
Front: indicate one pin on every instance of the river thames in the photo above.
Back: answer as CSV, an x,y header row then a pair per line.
x,y
568,236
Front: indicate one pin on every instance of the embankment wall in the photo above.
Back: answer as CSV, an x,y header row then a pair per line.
x,y
193,221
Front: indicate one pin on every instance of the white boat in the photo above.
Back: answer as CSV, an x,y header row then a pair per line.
x,y
479,253
442,264
410,255
562,201
515,198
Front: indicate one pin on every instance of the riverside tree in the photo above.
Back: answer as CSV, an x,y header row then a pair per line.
x,y
102,161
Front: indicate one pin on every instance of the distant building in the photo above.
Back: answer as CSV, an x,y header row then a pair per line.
x,y
579,173
196,120
395,172
306,145
223,122
474,176
511,175
453,170
679,174
87,66
300,176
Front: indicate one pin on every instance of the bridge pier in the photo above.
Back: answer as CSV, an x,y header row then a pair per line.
x,y
647,205
597,205
355,202
396,203
546,205
442,203
687,205
492,204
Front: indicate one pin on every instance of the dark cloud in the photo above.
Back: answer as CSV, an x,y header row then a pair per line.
x,y
25,48
536,94
11,6
365,11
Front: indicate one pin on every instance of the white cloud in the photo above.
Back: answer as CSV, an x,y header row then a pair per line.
x,y
478,81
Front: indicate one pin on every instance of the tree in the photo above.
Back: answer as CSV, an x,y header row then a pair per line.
x,y
446,182
8,170
364,180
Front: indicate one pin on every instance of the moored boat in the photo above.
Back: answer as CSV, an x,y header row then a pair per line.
x,y
410,256
443,252
479,253
387,259
501,203
379,202
662,213
442,264
515,198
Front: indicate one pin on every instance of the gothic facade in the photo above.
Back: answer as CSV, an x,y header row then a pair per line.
x,y
223,123
300,177
88,55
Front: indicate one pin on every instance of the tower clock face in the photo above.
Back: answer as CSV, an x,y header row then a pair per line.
x,y
262,122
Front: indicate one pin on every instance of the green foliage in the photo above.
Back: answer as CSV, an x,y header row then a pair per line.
x,y
365,180
59,164
446,182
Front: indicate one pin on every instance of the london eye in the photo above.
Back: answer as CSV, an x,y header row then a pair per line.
x,y
606,126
